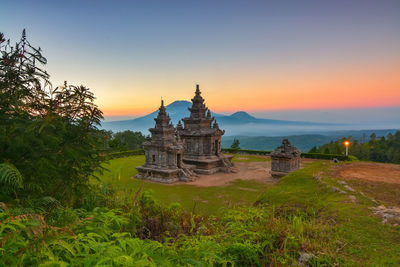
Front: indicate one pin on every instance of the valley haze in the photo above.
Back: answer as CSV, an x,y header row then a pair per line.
x,y
262,133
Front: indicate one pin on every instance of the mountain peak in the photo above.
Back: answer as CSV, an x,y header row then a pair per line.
x,y
179,103
242,115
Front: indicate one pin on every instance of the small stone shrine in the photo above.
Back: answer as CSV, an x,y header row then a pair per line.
x,y
202,139
164,153
285,159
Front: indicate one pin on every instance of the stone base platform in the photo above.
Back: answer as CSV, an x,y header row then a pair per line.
x,y
166,176
222,163
277,174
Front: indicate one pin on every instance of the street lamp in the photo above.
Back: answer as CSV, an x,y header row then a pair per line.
x,y
347,143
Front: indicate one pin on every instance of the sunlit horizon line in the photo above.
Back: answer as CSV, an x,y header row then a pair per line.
x,y
146,111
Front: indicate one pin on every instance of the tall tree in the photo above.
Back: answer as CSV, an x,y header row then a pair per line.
x,y
49,134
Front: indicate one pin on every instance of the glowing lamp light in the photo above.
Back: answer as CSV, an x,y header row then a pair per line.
x,y
347,143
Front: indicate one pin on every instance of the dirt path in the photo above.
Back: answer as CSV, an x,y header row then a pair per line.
x,y
256,171
375,172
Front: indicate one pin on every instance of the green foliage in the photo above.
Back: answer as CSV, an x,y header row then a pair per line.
x,y
10,178
377,149
327,156
49,134
127,140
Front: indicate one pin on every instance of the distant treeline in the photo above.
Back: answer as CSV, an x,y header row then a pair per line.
x,y
376,149
126,140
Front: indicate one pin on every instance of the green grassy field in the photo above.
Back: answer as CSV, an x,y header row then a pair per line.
x,y
332,222
204,200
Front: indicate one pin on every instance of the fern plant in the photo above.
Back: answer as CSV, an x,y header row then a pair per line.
x,y
10,178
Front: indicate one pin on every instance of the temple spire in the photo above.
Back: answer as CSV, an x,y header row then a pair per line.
x,y
163,118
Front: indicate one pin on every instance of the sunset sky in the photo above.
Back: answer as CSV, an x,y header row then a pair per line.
x,y
256,56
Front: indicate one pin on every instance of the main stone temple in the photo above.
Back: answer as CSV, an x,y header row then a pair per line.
x,y
202,139
164,153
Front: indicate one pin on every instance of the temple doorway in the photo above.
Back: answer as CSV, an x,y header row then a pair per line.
x,y
178,160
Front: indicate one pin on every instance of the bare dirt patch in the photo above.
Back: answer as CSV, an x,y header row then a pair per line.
x,y
379,181
374,172
256,171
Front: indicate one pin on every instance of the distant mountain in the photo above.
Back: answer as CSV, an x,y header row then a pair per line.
x,y
239,123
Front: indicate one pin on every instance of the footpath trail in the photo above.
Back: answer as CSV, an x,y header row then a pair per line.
x,y
255,171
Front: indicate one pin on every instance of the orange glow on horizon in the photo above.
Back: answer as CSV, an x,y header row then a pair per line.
x,y
366,86
145,111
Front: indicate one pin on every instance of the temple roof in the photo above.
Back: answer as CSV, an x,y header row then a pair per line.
x,y
198,109
163,119
286,150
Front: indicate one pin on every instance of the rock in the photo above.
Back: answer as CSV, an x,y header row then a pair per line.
x,y
304,259
349,188
353,198
318,178
376,202
334,189
342,182
388,216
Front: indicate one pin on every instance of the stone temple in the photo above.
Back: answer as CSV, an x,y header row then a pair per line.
x,y
285,159
202,139
164,153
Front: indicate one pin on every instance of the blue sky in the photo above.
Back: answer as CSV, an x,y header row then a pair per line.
x,y
260,56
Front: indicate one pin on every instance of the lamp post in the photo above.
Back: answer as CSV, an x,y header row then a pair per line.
x,y
347,143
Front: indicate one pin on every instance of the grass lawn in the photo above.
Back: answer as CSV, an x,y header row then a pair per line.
x,y
205,200
249,158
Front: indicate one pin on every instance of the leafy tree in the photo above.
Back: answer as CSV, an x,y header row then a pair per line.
x,y
235,144
49,134
313,150
127,140
377,149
